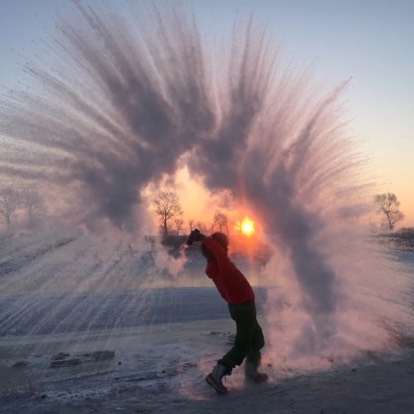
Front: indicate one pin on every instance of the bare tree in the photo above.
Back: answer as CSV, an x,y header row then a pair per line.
x,y
179,222
388,204
167,206
223,223
9,203
32,202
213,224
191,225
220,221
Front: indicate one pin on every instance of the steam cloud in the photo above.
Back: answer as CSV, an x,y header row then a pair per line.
x,y
119,107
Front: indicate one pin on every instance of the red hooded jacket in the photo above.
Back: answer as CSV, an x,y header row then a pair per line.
x,y
230,282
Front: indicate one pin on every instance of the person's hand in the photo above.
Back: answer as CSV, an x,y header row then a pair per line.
x,y
195,236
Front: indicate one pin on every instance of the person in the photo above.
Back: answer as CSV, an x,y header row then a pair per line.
x,y
238,293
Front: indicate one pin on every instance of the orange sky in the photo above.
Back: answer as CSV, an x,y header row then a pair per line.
x,y
198,204
201,206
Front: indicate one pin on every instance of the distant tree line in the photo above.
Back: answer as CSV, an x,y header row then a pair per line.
x,y
167,207
29,201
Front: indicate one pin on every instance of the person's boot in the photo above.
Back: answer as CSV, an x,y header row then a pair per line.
x,y
215,378
252,374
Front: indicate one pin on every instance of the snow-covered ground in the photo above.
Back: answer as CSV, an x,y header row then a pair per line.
x,y
82,332
161,369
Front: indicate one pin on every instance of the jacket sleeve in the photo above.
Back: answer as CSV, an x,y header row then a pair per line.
x,y
219,252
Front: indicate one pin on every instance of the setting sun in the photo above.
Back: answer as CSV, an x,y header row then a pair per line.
x,y
247,226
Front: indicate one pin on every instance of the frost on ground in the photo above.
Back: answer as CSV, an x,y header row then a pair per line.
x,y
109,343
161,369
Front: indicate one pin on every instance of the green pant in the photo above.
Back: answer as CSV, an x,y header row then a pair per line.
x,y
249,337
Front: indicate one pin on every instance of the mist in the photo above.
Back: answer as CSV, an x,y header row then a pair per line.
x,y
116,107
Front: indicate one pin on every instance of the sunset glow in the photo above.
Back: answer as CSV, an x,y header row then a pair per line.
x,y
247,226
